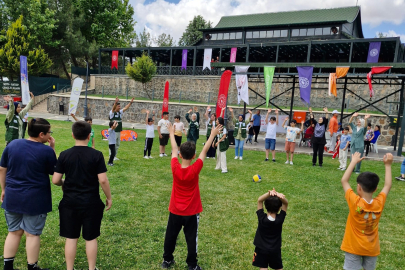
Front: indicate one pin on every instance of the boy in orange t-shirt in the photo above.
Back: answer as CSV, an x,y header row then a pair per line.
x,y
361,242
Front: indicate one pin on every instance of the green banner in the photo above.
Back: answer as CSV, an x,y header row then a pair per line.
x,y
268,79
10,88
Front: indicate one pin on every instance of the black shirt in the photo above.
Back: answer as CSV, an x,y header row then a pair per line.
x,y
81,166
268,234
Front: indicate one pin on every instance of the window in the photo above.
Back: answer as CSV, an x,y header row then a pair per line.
x,y
318,32
256,34
284,33
220,36
232,35
276,33
326,31
262,34
303,32
269,34
226,35
238,35
295,32
213,36
249,34
311,32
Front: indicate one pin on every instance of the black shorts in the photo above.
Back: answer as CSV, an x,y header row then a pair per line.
x,y
73,219
165,138
265,259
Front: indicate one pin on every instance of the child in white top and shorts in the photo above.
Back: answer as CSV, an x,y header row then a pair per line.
x,y
270,141
290,137
150,134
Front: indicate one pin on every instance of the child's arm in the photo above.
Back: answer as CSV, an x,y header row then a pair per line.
x,y
147,116
153,115
114,126
302,127
128,105
284,201
187,115
74,117
250,116
276,116
356,158
115,104
105,185
206,113
214,132
262,199
92,143
388,158
285,120
175,149
267,116
222,112
57,179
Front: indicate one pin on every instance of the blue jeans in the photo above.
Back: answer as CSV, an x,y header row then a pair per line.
x,y
403,167
239,145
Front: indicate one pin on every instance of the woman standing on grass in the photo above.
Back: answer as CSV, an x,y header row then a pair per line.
x,y
221,146
210,125
318,139
357,143
194,125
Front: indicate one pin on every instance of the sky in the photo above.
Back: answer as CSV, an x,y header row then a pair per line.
x,y
172,16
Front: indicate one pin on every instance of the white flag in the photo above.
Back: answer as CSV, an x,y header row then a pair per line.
x,y
74,96
207,58
242,83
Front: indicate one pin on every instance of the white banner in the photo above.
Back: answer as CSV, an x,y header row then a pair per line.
x,y
207,58
25,89
74,96
242,83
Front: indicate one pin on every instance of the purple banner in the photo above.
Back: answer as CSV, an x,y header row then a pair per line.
x,y
184,60
233,55
373,52
305,80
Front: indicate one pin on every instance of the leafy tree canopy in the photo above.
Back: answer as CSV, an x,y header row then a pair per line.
x,y
192,34
142,70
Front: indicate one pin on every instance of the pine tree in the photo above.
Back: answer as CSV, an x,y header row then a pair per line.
x,y
142,71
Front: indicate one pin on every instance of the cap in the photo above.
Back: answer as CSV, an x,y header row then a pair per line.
x,y
335,111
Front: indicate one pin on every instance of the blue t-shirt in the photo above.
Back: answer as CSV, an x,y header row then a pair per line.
x,y
376,134
344,139
257,119
111,136
28,188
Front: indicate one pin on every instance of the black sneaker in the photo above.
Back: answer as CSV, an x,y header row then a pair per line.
x,y
266,159
194,268
166,264
313,164
36,267
274,160
400,178
320,165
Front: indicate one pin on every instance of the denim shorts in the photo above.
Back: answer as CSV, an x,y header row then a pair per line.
x,y
31,224
270,144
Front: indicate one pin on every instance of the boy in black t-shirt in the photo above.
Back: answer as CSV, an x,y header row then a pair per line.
x,y
81,208
268,234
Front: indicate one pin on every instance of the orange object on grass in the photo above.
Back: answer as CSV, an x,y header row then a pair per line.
x,y
126,135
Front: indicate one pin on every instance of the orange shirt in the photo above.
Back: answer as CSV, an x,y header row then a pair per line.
x,y
361,234
333,125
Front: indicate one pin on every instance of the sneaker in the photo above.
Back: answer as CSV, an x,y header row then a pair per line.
x,y
88,269
266,159
160,155
291,163
36,267
236,157
166,264
287,162
343,169
194,268
320,165
224,171
150,157
331,152
145,157
400,178
274,160
110,164
240,158
213,157
207,157
115,158
357,172
164,155
339,168
313,165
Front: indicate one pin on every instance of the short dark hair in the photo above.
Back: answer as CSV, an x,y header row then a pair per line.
x,y
187,150
150,119
293,121
164,113
81,130
273,118
368,181
273,204
88,118
221,121
369,124
379,128
111,123
38,125
347,128
177,117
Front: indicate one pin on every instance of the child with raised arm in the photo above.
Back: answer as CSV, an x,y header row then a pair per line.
x,y
268,234
185,202
270,141
290,137
81,208
240,132
211,119
193,132
111,141
150,134
89,120
361,241
337,147
343,145
250,131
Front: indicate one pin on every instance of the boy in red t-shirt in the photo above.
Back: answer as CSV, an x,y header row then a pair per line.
x,y
185,202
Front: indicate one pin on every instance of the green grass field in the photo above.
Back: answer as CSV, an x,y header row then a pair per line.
x,y
133,230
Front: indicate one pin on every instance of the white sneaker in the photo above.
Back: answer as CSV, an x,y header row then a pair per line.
x,y
224,171
291,163
164,155
150,157
115,158
343,169
240,158
145,157
161,155
207,157
213,158
339,168
236,157
287,162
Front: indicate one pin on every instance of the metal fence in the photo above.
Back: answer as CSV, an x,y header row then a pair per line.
x,y
174,70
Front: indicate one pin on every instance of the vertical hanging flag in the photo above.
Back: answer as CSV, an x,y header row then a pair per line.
x,y
375,70
165,107
242,83
74,96
340,73
268,80
223,91
305,81
373,52
207,58
184,59
25,89
114,60
233,55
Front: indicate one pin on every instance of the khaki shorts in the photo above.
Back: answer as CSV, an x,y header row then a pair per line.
x,y
290,147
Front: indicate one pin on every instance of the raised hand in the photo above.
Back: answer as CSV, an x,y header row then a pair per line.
x,y
310,109
132,100
195,108
269,111
170,127
367,116
208,108
116,99
72,114
153,112
325,109
189,111
223,109
276,111
286,119
302,122
32,95
355,114
356,157
147,111
230,109
388,158
249,111
217,130
7,98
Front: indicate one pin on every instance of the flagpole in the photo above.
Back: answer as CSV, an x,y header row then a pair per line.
x,y
85,98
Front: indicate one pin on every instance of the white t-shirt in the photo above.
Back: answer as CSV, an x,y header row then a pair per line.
x,y
291,133
178,128
150,131
271,131
163,126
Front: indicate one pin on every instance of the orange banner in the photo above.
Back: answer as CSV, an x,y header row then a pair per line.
x,y
340,73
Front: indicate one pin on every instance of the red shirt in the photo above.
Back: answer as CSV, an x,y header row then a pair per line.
x,y
185,199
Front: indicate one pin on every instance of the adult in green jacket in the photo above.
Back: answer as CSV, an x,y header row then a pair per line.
x,y
357,143
194,125
239,133
14,122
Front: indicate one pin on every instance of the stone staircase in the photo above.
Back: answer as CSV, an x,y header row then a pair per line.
x,y
41,107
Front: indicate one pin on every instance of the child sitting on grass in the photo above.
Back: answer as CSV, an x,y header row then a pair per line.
x,y
361,241
269,229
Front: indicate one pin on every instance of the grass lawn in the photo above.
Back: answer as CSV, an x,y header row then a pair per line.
x,y
133,230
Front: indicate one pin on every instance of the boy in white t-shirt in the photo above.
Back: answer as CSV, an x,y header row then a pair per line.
x,y
150,134
290,137
270,141
163,133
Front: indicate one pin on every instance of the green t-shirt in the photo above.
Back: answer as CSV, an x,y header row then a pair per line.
x,y
90,144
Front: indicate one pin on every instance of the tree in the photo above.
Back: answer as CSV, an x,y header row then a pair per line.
x,y
381,35
143,39
142,70
18,43
192,34
164,40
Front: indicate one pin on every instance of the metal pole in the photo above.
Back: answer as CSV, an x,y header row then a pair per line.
x,y
103,92
401,137
343,101
292,101
85,98
127,91
244,109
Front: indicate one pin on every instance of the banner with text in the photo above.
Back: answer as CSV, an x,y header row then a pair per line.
x,y
74,96
305,81
223,91
25,89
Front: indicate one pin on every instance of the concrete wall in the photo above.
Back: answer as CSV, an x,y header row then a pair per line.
x,y
100,107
